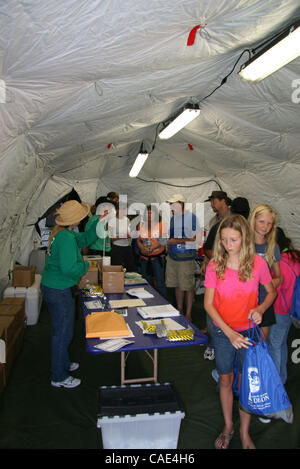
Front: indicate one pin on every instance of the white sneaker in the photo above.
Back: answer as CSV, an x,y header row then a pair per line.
x,y
68,383
209,353
74,366
263,420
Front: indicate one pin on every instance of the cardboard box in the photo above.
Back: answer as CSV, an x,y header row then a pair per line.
x,y
14,311
23,276
91,277
14,301
100,261
95,261
12,306
8,330
113,279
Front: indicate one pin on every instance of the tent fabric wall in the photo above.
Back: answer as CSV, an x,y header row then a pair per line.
x,y
84,84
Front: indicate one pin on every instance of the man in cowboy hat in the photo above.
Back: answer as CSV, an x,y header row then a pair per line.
x,y
220,203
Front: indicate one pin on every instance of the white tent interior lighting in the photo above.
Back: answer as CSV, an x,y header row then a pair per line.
x,y
184,118
82,84
271,58
138,164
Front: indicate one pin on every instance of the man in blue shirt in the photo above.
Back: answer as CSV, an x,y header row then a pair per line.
x,y
182,251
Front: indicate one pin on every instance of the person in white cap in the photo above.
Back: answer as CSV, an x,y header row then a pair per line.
x,y
180,269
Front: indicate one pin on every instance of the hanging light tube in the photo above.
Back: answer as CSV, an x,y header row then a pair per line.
x,y
277,54
138,164
184,118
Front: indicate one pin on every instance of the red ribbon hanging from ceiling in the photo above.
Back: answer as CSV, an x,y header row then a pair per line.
x,y
192,35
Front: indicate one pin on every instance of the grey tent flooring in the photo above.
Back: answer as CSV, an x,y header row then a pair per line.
x,y
34,415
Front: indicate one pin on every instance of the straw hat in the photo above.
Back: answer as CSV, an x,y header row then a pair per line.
x,y
71,212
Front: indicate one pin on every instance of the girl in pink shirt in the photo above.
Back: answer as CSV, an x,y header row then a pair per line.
x,y
289,267
231,297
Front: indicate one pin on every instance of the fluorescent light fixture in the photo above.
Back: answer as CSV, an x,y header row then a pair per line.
x,y
277,54
138,164
183,119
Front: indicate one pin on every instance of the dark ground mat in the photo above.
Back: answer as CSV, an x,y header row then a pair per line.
x,y
34,415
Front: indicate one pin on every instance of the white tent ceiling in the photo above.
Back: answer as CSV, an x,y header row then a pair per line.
x,y
86,82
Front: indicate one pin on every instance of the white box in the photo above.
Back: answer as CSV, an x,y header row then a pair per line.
x,y
142,431
158,429
33,299
2,351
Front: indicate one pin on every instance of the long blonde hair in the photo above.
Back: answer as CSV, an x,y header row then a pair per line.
x,y
247,251
56,229
270,238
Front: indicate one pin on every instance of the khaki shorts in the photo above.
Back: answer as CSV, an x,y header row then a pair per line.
x,y
180,274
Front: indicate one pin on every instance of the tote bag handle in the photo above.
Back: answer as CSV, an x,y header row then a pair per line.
x,y
255,330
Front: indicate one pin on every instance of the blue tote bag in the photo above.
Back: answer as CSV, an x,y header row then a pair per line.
x,y
262,391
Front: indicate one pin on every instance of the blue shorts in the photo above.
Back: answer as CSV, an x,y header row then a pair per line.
x,y
225,353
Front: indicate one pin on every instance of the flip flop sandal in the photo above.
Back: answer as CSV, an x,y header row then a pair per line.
x,y
223,440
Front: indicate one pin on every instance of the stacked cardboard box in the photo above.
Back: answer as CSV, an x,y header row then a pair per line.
x,y
112,278
90,278
23,276
12,322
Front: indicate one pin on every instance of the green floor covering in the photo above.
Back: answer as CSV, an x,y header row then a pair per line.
x,y
34,415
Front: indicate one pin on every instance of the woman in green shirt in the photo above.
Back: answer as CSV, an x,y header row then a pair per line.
x,y
63,269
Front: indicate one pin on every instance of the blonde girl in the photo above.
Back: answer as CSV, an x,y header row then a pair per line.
x,y
263,222
231,284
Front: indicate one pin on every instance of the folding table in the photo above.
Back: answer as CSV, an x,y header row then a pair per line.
x,y
141,341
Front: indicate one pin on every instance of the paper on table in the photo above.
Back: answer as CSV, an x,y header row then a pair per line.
x,y
126,303
132,275
95,304
168,322
160,311
134,281
122,311
112,345
139,292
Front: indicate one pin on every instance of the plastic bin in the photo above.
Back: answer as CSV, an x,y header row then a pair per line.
x,y
139,416
33,299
